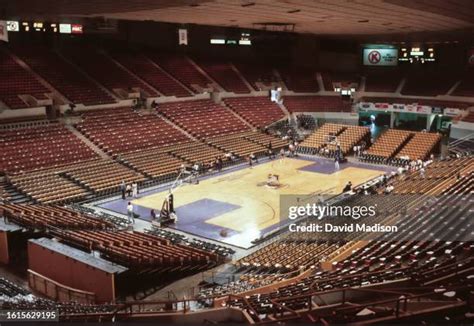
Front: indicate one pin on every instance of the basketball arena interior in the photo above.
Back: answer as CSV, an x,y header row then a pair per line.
x,y
237,161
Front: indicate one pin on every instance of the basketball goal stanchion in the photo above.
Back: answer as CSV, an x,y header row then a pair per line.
x,y
185,175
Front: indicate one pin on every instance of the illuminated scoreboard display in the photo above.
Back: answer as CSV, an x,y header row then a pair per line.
x,y
45,27
417,54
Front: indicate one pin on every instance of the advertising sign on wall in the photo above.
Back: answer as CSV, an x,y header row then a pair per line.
x,y
380,57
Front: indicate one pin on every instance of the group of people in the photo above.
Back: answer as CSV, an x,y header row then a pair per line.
x,y
416,165
129,190
292,148
217,164
292,152
359,149
252,159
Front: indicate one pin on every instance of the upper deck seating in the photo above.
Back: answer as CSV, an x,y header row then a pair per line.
x,y
417,101
316,104
63,76
259,111
149,72
105,71
19,82
223,74
182,69
332,78
466,86
385,80
428,83
299,80
202,118
258,73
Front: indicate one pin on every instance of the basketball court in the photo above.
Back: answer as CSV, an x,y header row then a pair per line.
x,y
238,207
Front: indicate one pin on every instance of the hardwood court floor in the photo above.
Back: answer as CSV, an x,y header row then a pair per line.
x,y
255,207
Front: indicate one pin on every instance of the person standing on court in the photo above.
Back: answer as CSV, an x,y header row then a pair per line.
x,y
131,218
135,190
220,163
291,148
123,188
282,153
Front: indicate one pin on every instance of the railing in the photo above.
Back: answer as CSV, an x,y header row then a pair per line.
x,y
401,297
458,141
24,124
57,291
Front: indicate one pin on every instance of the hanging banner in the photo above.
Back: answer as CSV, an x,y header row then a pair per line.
x,y
3,31
183,36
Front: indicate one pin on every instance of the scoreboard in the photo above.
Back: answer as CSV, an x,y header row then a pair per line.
x,y
46,27
417,54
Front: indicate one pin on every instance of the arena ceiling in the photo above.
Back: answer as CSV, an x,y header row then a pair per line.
x,y
323,17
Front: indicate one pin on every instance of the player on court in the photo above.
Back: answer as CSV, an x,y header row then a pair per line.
x,y
282,155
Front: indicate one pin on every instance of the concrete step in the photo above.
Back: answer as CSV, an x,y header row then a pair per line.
x,y
92,80
215,84
121,66
170,76
246,82
89,143
222,103
171,123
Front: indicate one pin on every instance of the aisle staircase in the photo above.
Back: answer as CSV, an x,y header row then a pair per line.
x,y
86,141
9,193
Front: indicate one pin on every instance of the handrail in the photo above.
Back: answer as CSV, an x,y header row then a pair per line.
x,y
462,139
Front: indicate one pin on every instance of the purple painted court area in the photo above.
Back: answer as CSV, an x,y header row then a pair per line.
x,y
192,218
327,166
120,206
